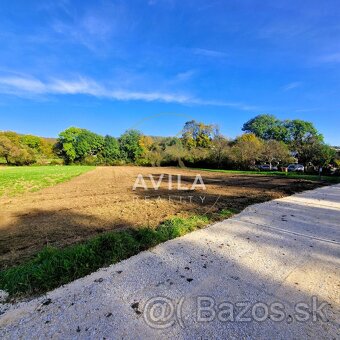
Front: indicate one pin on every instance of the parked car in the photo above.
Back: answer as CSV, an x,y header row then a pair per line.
x,y
266,167
296,168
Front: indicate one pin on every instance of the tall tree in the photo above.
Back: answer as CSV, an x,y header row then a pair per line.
x,y
146,143
197,134
13,152
111,151
266,127
220,150
66,144
315,152
300,132
130,145
88,144
6,147
293,132
246,150
32,142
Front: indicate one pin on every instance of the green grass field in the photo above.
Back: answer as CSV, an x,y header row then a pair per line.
x,y
330,179
18,180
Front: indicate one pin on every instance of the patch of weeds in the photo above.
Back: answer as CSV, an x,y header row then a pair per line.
x,y
227,213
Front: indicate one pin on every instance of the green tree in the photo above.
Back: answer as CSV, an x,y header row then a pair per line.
x,y
266,127
176,153
164,142
130,145
32,142
88,144
293,132
300,132
111,150
316,152
66,144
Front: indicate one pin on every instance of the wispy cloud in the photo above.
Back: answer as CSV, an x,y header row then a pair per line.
x,y
308,110
90,31
31,85
21,86
93,27
330,58
28,86
292,86
235,105
209,53
184,76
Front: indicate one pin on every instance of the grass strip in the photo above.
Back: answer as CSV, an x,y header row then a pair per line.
x,y
18,180
54,267
330,179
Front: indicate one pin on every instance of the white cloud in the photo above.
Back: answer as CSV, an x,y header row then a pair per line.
x,y
209,53
28,86
19,86
24,84
292,86
80,86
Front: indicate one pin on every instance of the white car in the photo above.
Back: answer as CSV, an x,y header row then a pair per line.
x,y
296,168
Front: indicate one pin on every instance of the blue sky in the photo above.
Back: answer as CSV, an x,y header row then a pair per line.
x,y
105,65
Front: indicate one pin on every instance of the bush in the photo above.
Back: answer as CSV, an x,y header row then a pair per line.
x,y
90,160
56,161
143,162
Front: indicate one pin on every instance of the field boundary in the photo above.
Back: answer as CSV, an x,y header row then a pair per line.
x,y
316,178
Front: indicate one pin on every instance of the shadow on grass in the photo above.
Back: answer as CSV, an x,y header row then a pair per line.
x,y
53,267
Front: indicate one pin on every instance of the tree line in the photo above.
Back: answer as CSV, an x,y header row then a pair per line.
x,y
16,149
266,140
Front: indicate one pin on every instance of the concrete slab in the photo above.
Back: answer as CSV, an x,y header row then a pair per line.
x,y
272,255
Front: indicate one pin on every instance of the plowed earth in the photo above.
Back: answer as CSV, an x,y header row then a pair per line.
x,y
104,199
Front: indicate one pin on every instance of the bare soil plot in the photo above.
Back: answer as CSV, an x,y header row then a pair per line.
x,y
103,200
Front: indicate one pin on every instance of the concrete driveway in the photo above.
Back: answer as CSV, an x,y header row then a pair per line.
x,y
271,272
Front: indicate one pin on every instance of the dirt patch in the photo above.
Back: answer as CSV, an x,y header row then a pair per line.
x,y
103,200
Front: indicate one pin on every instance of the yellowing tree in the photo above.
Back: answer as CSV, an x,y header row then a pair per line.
x,y
197,134
246,150
146,142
